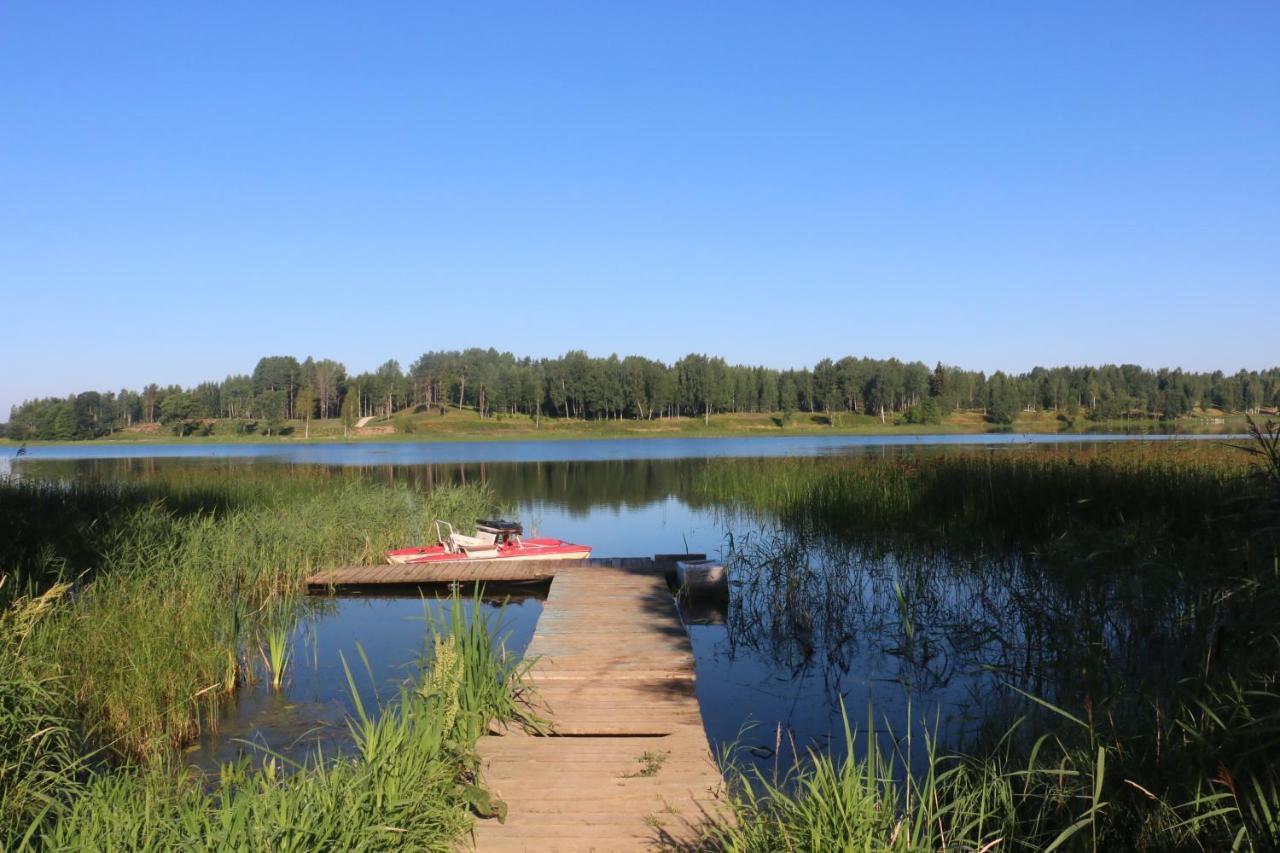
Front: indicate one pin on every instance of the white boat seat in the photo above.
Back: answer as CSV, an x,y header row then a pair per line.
x,y
484,540
483,545
480,553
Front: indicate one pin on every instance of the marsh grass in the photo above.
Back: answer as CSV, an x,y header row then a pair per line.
x,y
1071,789
279,617
994,497
1123,600
41,755
182,585
462,634
412,783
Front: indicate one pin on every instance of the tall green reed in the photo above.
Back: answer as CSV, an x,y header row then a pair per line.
x,y
870,800
165,617
279,617
991,497
1149,577
41,754
412,784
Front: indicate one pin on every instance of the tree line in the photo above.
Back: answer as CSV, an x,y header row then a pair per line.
x,y
578,386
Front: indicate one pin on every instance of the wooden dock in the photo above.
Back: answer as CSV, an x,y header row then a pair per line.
x,y
628,765
476,571
457,571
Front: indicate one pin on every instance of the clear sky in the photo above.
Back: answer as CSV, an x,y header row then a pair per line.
x,y
185,187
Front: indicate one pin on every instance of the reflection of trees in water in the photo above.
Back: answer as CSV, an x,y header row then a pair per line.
x,y
933,620
578,487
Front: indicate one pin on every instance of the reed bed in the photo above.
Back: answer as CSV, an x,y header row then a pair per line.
x,y
175,584
997,496
412,783
1069,789
41,754
1122,600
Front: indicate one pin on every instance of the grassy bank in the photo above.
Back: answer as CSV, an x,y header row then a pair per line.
x,y
466,425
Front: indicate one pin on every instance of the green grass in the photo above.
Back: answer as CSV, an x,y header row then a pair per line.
x,y
1139,588
1024,494
412,784
177,582
131,609
1052,798
278,617
1070,789
41,753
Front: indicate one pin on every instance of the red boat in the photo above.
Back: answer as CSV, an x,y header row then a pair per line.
x,y
494,540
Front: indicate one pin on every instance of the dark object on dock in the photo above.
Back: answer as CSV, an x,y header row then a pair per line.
x,y
503,530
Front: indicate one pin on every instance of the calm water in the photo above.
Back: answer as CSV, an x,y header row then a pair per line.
x,y
335,634
920,638
577,450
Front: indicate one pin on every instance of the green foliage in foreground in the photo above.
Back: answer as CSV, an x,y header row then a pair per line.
x,y
1061,791
40,753
180,575
411,785
176,586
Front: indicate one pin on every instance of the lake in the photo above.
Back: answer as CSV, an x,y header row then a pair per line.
x,y
775,669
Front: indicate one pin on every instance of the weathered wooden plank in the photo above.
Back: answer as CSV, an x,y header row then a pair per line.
x,y
614,668
478,571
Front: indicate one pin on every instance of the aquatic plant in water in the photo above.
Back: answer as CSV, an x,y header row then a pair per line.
x,y
277,618
412,784
1131,607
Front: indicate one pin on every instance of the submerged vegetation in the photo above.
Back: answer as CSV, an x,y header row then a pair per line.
x,y
1120,605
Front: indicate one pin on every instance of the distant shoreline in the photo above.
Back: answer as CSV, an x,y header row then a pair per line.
x,y
461,428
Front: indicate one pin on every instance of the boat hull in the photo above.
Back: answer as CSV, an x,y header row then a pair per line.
x,y
701,575
531,550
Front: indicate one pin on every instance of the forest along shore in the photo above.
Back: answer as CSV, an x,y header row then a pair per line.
x,y
483,391
449,423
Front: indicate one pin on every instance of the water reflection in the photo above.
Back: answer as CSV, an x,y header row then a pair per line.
x,y
380,637
932,641
421,452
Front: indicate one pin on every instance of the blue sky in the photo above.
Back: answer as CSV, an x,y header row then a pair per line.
x,y
186,187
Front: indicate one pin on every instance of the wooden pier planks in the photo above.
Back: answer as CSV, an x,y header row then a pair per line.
x,y
630,767
481,571
459,571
